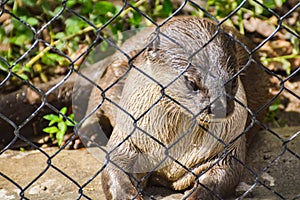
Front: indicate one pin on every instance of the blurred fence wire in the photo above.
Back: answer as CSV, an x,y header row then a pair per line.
x,y
64,52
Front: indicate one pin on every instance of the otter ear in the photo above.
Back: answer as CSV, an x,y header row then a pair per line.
x,y
153,42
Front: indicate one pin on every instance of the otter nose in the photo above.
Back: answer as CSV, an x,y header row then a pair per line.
x,y
218,108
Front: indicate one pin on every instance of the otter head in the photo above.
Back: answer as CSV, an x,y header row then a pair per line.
x,y
195,63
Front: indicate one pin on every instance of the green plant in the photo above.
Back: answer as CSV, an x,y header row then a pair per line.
x,y
273,111
222,8
252,9
284,59
68,33
61,125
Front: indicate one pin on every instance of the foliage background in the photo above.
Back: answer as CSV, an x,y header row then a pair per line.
x,y
38,37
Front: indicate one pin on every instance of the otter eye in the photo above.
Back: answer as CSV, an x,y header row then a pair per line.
x,y
191,84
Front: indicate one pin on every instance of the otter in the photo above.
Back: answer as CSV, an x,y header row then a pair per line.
x,y
179,103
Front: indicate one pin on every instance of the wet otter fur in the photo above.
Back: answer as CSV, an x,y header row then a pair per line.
x,y
178,111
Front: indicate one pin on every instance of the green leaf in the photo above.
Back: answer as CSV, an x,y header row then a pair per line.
x,y
29,2
72,25
103,46
47,59
59,35
54,56
32,21
279,3
60,137
136,18
286,65
24,76
57,10
87,7
51,130
157,10
26,68
257,8
18,26
275,105
53,59
62,127
19,40
71,3
54,121
50,117
71,117
16,68
3,66
63,110
167,8
68,123
2,33
103,7
295,42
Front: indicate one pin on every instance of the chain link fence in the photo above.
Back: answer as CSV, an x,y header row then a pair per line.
x,y
50,98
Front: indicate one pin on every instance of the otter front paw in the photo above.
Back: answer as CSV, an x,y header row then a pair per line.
x,y
125,193
200,193
117,186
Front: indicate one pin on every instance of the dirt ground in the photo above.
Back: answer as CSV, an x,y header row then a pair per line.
x,y
271,162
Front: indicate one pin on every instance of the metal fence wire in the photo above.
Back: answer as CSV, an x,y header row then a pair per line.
x,y
130,59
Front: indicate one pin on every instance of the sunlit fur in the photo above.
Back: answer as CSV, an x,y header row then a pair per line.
x,y
174,114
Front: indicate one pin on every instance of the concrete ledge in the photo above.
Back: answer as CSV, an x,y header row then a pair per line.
x,y
283,176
